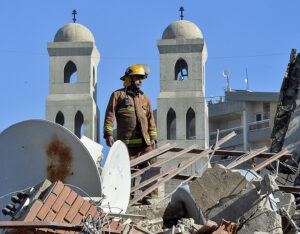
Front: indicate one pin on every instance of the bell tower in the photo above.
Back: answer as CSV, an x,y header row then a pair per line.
x,y
182,115
73,81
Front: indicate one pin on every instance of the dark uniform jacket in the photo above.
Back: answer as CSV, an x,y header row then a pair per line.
x,y
135,122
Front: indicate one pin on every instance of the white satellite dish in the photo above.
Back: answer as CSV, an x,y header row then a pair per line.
x,y
94,148
183,195
34,150
116,179
225,73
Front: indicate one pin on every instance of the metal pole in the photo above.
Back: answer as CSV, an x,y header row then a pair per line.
x,y
227,83
245,131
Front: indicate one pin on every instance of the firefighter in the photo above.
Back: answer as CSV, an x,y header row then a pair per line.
x,y
133,112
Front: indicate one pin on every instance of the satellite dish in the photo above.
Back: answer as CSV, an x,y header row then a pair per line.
x,y
116,179
94,149
225,73
183,195
34,150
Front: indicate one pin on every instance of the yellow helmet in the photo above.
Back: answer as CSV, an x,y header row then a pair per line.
x,y
137,69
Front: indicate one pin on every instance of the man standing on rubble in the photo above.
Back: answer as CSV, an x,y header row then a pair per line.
x,y
133,111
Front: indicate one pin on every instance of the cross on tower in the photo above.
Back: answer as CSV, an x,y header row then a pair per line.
x,y
74,13
181,14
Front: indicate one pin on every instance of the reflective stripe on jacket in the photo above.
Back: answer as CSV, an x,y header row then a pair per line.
x,y
135,123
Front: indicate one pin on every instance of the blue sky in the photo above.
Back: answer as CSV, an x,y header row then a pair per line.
x,y
253,34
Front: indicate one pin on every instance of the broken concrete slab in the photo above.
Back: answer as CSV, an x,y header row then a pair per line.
x,y
231,208
151,211
215,184
287,201
263,220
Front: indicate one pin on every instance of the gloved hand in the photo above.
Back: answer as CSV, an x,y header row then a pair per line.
x,y
153,144
109,141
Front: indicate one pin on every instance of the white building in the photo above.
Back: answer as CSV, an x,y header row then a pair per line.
x,y
249,114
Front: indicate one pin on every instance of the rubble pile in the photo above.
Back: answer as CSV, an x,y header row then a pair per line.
x,y
220,201
252,203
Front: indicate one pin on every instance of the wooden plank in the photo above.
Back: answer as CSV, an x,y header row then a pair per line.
x,y
177,169
166,159
270,160
246,158
50,225
173,171
152,154
40,224
289,189
235,153
150,180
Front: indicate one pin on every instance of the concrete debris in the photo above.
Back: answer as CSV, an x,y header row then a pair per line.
x,y
188,225
202,206
156,210
268,185
233,207
263,220
216,183
296,218
288,225
286,201
152,225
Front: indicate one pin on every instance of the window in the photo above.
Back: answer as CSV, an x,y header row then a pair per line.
x,y
258,117
190,124
171,125
79,124
60,119
181,70
70,73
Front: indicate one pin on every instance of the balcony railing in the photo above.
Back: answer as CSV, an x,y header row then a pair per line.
x,y
239,130
224,132
259,124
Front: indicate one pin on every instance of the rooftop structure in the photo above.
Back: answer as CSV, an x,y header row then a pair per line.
x,y
250,114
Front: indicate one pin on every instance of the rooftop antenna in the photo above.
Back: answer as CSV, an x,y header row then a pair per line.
x,y
226,75
247,80
181,9
74,13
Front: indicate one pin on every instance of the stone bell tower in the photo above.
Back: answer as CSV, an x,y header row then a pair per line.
x,y
182,115
73,81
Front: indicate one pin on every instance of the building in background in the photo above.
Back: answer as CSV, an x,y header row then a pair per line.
x,y
182,115
249,114
73,81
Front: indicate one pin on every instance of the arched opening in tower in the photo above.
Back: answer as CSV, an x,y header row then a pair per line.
x,y
79,124
60,119
181,70
70,73
190,124
171,125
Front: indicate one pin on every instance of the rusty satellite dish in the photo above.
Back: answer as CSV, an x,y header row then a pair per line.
x,y
116,179
33,150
